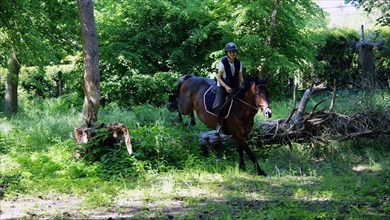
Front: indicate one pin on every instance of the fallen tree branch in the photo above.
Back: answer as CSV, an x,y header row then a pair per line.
x,y
322,127
333,97
319,127
293,109
305,99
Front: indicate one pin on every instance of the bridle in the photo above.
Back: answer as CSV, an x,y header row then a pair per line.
x,y
248,104
257,107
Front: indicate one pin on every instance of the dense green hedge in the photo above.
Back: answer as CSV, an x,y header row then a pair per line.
x,y
338,57
43,82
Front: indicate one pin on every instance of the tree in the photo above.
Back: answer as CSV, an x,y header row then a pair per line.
x,y
145,37
276,35
11,96
91,63
34,32
370,5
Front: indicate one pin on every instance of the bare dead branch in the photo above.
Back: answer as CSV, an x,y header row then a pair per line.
x,y
333,97
294,102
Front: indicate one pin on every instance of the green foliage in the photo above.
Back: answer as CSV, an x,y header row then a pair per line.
x,y
135,89
38,31
3,80
44,82
152,36
382,6
338,57
382,56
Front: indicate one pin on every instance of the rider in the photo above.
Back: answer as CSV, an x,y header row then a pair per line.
x,y
229,78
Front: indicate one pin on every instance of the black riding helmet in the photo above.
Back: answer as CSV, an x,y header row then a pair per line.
x,y
230,46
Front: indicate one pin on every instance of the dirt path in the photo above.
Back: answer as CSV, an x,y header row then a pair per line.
x,y
69,207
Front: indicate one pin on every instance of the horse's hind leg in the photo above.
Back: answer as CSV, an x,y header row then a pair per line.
x,y
192,119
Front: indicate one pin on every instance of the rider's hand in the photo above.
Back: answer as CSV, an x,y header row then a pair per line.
x,y
229,90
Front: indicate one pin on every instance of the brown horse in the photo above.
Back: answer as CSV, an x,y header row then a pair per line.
x,y
239,122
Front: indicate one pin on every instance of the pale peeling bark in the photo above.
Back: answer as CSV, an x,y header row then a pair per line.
x,y
91,63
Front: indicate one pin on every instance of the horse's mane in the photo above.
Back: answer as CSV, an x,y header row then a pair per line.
x,y
248,82
254,79
181,79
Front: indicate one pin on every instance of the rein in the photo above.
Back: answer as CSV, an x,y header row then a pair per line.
x,y
248,104
244,102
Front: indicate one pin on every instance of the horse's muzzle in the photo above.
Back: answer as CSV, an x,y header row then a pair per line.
x,y
267,112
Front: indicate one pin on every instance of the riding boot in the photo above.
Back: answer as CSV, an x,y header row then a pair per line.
x,y
219,123
217,106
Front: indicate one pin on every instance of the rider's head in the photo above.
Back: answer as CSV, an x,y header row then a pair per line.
x,y
231,50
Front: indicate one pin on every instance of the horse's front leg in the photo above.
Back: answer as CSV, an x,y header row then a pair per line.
x,y
192,119
241,157
244,146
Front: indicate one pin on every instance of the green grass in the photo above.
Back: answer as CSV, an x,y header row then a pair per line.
x,y
167,176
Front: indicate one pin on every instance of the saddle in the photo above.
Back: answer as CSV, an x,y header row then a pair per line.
x,y
208,99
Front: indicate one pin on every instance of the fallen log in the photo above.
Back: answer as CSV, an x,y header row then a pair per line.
x,y
322,127
319,127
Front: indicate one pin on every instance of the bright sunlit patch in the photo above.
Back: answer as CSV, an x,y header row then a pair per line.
x,y
309,195
371,167
5,126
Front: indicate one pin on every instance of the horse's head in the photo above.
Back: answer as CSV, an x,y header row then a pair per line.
x,y
261,97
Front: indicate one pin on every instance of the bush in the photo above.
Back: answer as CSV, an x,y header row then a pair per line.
x,y
338,58
43,81
134,89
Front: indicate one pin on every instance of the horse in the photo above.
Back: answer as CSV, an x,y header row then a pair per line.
x,y
239,123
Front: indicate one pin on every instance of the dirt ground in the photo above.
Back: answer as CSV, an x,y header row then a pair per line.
x,y
68,207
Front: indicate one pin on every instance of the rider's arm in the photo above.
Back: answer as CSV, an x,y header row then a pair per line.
x,y
241,76
222,83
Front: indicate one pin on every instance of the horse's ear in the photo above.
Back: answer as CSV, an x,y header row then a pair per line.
x,y
262,80
250,78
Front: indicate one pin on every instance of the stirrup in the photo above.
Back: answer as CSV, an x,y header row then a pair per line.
x,y
219,129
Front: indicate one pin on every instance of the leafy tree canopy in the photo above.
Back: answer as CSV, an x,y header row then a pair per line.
x,y
38,31
370,5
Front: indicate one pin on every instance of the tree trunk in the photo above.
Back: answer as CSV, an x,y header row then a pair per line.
x,y
273,21
366,51
368,69
260,70
91,63
11,96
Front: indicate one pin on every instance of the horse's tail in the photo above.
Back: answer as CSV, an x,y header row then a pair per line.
x,y
174,99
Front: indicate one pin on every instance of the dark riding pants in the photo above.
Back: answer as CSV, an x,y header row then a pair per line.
x,y
218,102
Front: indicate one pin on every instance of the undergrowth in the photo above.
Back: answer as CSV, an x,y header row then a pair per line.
x,y
342,180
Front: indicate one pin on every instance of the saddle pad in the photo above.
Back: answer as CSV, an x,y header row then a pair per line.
x,y
208,99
